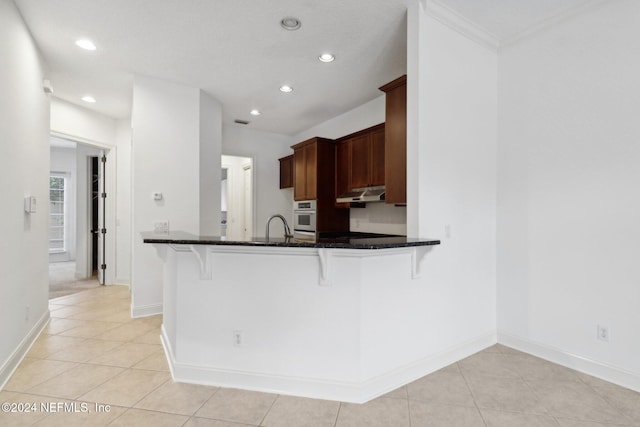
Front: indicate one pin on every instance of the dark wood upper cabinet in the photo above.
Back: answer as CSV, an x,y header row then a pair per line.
x,y
304,172
342,171
377,146
396,141
313,168
360,159
299,175
286,171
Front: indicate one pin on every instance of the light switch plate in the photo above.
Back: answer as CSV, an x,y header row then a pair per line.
x,y
30,204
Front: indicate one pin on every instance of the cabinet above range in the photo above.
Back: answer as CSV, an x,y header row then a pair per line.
x,y
360,160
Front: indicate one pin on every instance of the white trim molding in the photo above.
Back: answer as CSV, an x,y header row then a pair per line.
x,y
146,311
582,364
12,363
457,22
550,22
354,392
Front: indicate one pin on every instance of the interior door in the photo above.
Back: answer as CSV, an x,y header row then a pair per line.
x,y
93,208
102,234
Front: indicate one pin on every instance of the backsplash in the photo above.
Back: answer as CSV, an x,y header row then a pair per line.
x,y
379,218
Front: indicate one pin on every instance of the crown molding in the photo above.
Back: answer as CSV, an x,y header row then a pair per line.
x,y
550,22
459,23
449,17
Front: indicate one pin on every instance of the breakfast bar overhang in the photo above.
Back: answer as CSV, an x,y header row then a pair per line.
x,y
326,319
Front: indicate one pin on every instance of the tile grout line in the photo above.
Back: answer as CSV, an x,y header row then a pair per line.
x,y
475,403
268,410
335,423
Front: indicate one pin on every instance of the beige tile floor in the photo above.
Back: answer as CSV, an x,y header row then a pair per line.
x,y
92,354
63,281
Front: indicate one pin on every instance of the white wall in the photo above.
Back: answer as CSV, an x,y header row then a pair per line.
x,y
24,170
169,141
123,202
210,152
265,148
63,160
568,200
361,117
452,137
81,124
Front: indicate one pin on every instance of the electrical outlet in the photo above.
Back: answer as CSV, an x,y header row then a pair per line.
x,y
237,338
603,333
161,227
27,310
447,231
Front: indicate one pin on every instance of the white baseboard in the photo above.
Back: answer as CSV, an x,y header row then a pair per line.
x,y
12,363
147,310
122,282
606,372
318,388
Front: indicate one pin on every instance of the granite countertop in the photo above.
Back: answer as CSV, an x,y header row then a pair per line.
x,y
343,241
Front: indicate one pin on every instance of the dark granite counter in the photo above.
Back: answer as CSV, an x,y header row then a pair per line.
x,y
349,241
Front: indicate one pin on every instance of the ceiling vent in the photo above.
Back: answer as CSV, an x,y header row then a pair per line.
x,y
241,122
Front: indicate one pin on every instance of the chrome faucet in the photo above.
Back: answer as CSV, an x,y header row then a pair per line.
x,y
287,230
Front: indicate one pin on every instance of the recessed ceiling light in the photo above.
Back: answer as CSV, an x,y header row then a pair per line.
x,y
290,23
255,112
88,98
326,57
286,89
86,44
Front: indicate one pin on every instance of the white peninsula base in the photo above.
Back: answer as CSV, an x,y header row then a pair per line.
x,y
336,324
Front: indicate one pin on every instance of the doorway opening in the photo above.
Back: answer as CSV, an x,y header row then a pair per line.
x,y
75,217
237,198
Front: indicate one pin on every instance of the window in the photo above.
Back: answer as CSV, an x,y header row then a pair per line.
x,y
57,184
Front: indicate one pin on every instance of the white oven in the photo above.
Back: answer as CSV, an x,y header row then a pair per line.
x,y
304,219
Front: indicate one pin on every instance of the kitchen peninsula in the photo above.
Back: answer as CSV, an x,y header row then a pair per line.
x,y
321,319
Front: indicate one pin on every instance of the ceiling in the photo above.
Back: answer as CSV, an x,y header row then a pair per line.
x,y
236,50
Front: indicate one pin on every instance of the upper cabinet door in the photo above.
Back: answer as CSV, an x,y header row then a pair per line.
x,y
342,172
299,174
366,157
360,156
311,166
377,144
286,172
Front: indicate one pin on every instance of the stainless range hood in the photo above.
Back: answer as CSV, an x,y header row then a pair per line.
x,y
363,195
